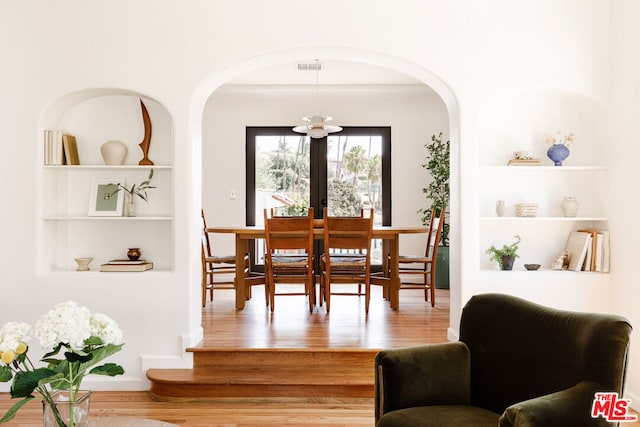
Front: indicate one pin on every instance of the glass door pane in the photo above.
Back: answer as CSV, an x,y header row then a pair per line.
x,y
354,178
282,167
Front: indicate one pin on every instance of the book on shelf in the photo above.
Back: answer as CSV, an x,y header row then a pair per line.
x,y
127,261
59,150
524,162
578,244
600,249
126,267
70,150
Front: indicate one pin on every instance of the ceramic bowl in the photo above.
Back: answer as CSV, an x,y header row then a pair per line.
x,y
532,266
523,155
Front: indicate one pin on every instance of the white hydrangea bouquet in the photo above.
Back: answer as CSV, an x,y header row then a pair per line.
x,y
87,339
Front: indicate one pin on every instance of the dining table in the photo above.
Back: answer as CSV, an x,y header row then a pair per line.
x,y
390,236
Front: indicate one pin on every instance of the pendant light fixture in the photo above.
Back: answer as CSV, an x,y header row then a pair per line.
x,y
316,125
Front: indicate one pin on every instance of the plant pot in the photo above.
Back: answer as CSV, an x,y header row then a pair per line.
x,y
442,268
506,262
65,412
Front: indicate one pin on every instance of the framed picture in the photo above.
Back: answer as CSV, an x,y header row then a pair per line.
x,y
104,199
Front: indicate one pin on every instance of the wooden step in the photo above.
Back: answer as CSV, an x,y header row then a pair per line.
x,y
264,373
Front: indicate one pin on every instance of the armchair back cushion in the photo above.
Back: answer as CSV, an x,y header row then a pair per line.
x,y
520,350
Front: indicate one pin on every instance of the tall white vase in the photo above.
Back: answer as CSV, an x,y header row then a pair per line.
x,y
113,152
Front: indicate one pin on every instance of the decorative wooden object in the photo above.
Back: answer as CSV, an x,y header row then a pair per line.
x,y
146,141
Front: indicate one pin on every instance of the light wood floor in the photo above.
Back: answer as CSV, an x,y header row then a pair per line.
x,y
290,326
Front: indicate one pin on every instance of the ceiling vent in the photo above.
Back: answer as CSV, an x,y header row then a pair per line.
x,y
311,66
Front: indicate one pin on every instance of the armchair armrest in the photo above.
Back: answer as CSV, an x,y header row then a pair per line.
x,y
434,374
569,407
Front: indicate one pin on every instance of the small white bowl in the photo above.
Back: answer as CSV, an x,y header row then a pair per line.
x,y
83,263
523,155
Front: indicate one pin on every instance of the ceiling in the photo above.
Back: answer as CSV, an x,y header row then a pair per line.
x,y
333,72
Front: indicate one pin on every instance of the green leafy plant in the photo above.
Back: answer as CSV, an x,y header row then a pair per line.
x,y
85,340
437,163
506,250
140,189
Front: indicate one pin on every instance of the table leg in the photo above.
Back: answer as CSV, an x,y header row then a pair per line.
x,y
394,272
242,247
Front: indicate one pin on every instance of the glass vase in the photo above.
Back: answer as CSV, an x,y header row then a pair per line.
x,y
129,206
65,412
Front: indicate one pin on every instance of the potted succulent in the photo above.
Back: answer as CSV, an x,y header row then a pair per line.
x,y
506,255
437,192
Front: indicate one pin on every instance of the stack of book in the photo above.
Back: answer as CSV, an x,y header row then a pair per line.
x,y
60,148
126,265
524,162
589,250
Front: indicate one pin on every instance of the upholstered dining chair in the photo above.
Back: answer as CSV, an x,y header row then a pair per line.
x,y
289,255
347,256
214,266
517,363
424,265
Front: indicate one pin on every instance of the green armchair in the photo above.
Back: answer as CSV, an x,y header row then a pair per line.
x,y
516,364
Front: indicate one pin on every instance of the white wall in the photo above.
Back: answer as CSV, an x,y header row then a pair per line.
x,y
623,146
179,52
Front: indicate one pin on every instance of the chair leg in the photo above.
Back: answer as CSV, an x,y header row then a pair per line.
x,y
367,296
311,291
427,275
204,290
272,293
432,286
327,293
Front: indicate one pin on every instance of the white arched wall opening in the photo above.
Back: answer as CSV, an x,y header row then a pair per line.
x,y
226,74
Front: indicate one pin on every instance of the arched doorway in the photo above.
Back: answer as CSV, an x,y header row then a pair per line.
x,y
218,79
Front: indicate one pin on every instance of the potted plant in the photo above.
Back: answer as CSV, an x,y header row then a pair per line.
x,y
506,255
437,192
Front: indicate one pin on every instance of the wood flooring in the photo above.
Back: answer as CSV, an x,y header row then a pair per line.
x,y
291,326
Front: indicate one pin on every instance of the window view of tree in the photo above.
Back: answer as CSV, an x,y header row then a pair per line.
x,y
282,174
342,171
354,171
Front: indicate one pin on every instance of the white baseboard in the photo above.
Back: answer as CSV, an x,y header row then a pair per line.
x,y
452,335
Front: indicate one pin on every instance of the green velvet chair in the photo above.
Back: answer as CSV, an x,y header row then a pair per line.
x,y
517,364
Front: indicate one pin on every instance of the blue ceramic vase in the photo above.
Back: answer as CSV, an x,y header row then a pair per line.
x,y
558,153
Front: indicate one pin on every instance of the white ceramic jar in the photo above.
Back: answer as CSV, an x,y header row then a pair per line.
x,y
569,206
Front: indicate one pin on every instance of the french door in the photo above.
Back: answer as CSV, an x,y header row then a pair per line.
x,y
345,172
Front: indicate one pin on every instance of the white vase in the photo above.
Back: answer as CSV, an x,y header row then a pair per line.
x,y
569,206
129,205
500,208
113,152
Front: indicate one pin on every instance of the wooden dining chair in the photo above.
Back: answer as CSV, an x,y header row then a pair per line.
x,y
347,256
214,266
289,255
424,265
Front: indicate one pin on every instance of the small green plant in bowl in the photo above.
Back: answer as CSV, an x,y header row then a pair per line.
x,y
506,255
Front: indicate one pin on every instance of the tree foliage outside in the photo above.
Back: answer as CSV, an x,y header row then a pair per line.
x,y
344,199
354,173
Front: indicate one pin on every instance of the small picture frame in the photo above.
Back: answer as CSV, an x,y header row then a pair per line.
x,y
104,199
